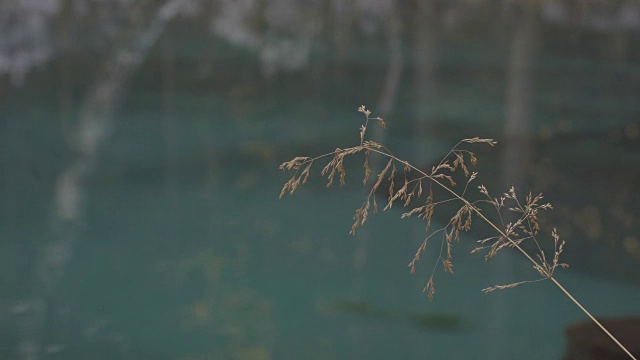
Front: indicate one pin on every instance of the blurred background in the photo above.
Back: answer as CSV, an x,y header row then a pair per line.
x,y
139,181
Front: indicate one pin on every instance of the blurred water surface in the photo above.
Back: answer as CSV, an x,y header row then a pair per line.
x,y
140,212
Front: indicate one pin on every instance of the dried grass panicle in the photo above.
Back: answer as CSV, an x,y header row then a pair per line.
x,y
363,128
297,179
454,165
430,288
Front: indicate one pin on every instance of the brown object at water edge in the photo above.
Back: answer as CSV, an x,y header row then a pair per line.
x,y
588,342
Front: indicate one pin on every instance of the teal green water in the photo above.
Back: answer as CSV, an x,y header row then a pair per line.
x,y
185,251
207,263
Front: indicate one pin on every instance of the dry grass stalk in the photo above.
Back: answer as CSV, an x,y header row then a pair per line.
x,y
454,165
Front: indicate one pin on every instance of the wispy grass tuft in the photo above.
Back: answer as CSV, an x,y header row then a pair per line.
x,y
514,219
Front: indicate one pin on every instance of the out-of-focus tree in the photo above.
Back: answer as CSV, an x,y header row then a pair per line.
x,y
280,31
519,91
136,27
26,41
425,23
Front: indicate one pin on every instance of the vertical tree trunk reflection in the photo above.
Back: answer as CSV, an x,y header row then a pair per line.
x,y
517,144
386,105
519,97
424,87
95,122
168,116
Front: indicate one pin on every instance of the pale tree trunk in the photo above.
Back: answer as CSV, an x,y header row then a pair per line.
x,y
517,148
168,116
386,105
425,29
94,125
424,63
520,87
64,80
342,30
618,47
391,87
318,68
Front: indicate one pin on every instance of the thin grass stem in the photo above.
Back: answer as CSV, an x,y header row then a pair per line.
x,y
510,235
